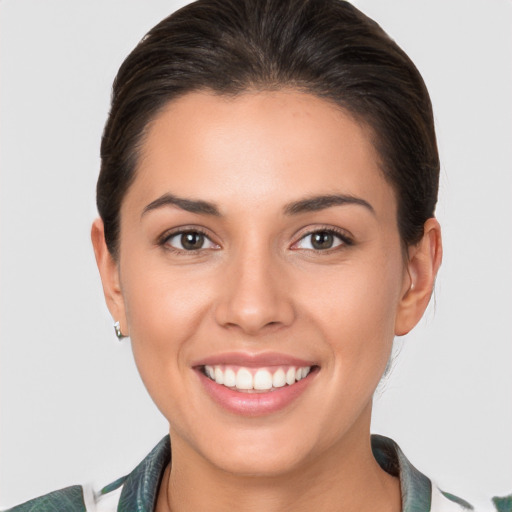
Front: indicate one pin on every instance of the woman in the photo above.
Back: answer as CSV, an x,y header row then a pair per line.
x,y
267,193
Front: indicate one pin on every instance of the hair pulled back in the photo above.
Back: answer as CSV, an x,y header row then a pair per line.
x,y
324,47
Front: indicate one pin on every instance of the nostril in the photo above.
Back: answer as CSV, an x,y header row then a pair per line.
x,y
254,308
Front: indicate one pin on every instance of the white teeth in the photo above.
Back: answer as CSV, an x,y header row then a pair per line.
x,y
261,379
243,379
219,376
279,379
229,378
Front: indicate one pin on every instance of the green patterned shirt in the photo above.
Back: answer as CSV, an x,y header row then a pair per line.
x,y
137,492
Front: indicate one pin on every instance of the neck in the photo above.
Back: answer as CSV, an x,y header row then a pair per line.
x,y
344,478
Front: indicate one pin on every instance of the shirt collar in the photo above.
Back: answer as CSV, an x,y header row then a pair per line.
x,y
140,487
415,487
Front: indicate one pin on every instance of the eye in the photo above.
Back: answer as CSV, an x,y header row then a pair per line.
x,y
322,240
191,240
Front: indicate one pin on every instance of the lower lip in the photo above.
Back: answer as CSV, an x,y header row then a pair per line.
x,y
255,404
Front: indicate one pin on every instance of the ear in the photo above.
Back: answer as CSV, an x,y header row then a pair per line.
x,y
424,260
109,272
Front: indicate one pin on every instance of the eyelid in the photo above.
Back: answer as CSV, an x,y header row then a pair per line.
x,y
164,238
345,237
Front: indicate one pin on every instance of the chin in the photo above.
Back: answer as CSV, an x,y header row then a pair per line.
x,y
260,464
259,452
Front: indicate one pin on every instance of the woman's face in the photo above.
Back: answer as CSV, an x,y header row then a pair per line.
x,y
259,237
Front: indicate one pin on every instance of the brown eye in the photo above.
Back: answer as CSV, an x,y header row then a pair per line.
x,y
190,241
322,240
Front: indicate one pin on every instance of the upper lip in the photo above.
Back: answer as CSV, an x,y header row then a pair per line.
x,y
253,360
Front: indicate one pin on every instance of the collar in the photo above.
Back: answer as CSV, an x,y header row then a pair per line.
x,y
415,487
140,487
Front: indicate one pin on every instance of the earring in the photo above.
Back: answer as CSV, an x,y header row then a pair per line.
x,y
117,328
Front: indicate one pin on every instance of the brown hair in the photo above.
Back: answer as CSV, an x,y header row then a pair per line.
x,y
325,47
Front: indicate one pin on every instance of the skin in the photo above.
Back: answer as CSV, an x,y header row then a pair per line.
x,y
258,285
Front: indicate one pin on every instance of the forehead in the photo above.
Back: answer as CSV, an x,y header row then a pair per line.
x,y
257,148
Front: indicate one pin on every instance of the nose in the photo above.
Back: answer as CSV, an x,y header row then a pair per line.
x,y
255,296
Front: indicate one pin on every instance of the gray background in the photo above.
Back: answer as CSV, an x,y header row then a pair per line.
x,y
73,409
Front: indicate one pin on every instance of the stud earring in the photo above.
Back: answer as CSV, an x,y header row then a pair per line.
x,y
117,328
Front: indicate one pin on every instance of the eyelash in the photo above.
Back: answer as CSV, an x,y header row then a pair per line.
x,y
164,240
339,234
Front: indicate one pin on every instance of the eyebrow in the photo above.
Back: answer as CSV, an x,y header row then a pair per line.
x,y
189,205
309,204
317,203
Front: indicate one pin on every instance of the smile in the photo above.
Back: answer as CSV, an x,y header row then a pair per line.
x,y
249,379
255,384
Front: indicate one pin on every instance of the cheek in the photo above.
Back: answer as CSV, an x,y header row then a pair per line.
x,y
159,296
356,307
164,312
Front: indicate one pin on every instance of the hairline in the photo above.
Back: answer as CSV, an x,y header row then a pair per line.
x,y
259,87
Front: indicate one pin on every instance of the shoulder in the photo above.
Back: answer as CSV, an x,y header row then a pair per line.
x,y
76,498
135,492
70,499
419,493
445,502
